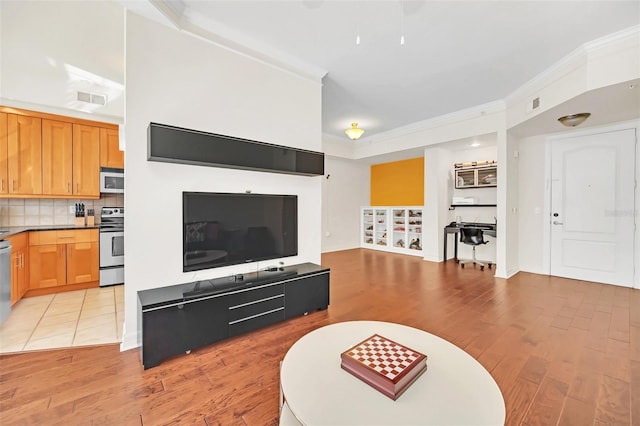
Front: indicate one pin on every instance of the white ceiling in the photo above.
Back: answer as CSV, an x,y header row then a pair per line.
x,y
457,54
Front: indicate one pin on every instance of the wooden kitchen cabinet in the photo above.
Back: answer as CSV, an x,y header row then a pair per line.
x,y
63,260
110,154
24,154
83,262
70,156
47,266
4,164
57,158
86,160
19,262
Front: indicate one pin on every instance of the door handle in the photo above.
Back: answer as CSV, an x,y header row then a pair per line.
x,y
555,222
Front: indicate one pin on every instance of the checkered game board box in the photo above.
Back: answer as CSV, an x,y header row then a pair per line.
x,y
384,364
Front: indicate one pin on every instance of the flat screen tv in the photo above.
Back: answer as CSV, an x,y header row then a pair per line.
x,y
222,229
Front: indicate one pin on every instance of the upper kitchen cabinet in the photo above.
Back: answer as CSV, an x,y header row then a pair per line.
x,y
57,158
4,173
110,154
70,155
53,156
24,154
86,161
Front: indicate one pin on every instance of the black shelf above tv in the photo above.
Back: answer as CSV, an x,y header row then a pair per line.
x,y
172,144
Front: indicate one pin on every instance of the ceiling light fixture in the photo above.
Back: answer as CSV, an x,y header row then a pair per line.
x,y
354,132
573,120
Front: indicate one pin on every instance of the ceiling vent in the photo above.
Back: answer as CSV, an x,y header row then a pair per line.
x,y
536,103
92,98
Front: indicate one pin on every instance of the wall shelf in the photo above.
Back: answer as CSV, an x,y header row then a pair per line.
x,y
453,206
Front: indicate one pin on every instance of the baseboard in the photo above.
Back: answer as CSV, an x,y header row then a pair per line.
x,y
430,258
508,274
129,340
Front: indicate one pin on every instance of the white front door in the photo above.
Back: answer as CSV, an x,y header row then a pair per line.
x,y
592,207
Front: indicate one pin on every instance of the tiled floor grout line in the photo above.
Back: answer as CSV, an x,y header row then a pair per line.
x,y
75,331
44,318
115,311
37,324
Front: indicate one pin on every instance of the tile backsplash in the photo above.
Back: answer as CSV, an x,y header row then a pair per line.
x,y
44,211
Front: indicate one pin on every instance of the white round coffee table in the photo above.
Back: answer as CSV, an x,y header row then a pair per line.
x,y
455,390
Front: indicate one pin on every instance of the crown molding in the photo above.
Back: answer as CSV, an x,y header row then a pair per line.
x,y
187,21
441,120
570,62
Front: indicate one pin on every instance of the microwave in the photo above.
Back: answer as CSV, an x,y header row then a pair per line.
x,y
111,181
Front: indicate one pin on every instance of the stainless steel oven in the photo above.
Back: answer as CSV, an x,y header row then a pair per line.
x,y
111,246
111,181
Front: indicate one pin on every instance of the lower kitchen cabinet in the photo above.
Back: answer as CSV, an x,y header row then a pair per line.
x,y
63,260
47,266
83,262
19,262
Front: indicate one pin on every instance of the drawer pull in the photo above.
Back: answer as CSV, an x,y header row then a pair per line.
x,y
255,301
256,315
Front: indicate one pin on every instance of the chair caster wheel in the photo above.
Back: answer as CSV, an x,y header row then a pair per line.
x,y
482,268
490,266
462,265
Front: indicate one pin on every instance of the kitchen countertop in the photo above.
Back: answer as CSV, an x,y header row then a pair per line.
x,y
14,230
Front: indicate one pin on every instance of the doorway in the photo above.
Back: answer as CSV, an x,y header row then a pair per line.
x,y
593,207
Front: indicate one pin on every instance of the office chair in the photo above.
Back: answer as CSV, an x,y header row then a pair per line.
x,y
473,237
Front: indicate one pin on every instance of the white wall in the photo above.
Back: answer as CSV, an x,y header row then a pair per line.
x,y
532,183
173,78
345,188
51,49
438,187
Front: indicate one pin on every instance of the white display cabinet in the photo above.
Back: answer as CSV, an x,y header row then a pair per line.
x,y
374,226
396,229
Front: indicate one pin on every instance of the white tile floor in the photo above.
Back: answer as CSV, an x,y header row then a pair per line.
x,y
76,318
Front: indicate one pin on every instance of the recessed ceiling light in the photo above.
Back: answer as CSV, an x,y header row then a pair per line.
x,y
632,86
474,144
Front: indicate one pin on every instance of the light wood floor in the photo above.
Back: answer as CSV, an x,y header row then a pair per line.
x,y
562,351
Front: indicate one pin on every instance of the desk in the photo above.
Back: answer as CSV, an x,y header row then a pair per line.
x,y
454,228
455,389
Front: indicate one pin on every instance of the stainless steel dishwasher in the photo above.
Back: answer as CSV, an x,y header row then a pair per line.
x,y
5,279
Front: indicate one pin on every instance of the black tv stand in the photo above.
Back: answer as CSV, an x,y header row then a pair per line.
x,y
180,318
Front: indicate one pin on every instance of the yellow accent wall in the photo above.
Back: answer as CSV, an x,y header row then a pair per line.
x,y
400,183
